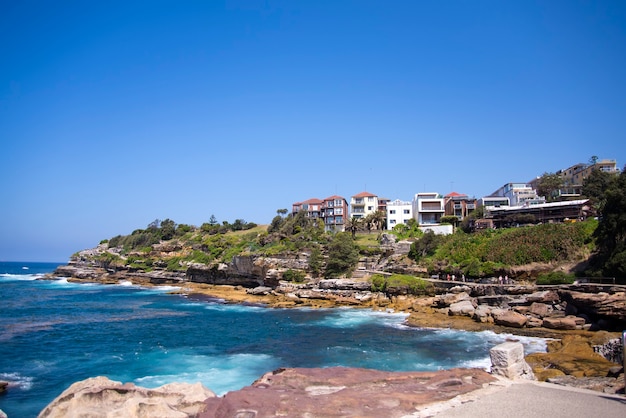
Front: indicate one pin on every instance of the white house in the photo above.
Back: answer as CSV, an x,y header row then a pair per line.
x,y
428,208
398,212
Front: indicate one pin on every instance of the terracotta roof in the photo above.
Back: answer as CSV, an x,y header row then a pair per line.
x,y
334,197
313,201
455,194
364,194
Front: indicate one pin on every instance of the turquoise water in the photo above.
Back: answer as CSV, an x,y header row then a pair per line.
x,y
53,333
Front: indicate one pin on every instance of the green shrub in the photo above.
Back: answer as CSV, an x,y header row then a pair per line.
x,y
555,277
296,276
401,284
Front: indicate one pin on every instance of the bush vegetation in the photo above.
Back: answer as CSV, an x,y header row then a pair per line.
x,y
401,284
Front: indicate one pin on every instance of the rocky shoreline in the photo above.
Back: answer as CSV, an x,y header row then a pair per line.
x,y
582,320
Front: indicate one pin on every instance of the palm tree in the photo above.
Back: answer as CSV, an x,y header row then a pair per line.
x,y
353,225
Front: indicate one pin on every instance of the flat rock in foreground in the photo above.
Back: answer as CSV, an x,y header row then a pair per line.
x,y
344,392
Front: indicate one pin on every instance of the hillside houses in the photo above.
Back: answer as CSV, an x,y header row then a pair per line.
x,y
512,204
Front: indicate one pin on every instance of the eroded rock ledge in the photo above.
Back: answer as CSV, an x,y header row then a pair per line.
x,y
293,392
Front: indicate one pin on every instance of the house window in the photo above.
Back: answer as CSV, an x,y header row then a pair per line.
x,y
406,211
392,221
392,211
370,208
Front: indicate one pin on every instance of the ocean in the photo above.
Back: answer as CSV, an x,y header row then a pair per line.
x,y
54,333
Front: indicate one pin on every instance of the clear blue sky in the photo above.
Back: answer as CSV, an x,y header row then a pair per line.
x,y
113,114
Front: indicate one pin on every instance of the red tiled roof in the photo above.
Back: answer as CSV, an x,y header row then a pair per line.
x,y
313,201
364,194
334,197
455,194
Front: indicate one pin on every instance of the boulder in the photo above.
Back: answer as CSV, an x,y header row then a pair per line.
x,y
509,318
462,308
448,299
482,313
564,323
3,386
102,397
603,304
540,309
507,359
545,296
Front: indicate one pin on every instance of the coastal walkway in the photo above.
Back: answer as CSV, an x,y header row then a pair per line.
x,y
521,399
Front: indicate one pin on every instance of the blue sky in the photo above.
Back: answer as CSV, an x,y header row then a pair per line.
x,y
113,114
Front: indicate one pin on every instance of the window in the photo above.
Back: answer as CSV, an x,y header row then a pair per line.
x,y
370,208
392,211
406,211
392,221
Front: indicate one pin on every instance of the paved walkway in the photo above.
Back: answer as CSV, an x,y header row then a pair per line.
x,y
530,399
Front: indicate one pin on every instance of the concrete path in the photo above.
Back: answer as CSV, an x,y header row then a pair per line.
x,y
507,399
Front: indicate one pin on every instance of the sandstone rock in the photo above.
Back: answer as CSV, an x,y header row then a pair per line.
x,y
448,299
482,313
345,284
344,392
102,397
464,308
3,386
573,355
545,296
540,309
259,290
534,322
604,304
509,318
507,359
565,323
461,289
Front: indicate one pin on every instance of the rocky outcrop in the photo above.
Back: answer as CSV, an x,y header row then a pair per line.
x,y
603,304
339,391
319,392
3,386
101,397
507,360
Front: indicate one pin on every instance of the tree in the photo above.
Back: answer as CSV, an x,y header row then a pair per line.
x,y
315,261
353,225
425,246
549,185
375,220
168,229
343,256
212,220
611,232
282,212
595,186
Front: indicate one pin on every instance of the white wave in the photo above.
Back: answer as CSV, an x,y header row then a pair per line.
x,y
17,380
483,363
126,283
348,318
28,277
219,373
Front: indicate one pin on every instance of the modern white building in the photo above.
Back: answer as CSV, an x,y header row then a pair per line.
x,y
363,204
517,193
398,212
428,208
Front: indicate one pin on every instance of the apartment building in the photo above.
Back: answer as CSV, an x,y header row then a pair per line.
x,y
428,208
363,204
518,194
334,212
574,176
459,205
312,207
398,212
